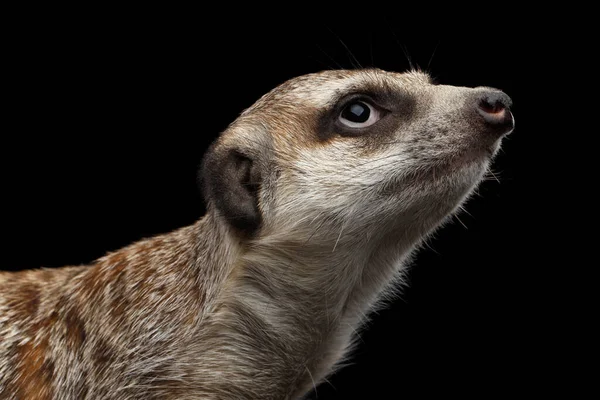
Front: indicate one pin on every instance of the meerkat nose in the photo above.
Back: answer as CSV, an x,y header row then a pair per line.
x,y
494,107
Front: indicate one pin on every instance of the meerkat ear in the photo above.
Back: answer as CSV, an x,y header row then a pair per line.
x,y
230,180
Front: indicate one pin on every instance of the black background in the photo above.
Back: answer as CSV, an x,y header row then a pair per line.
x,y
108,117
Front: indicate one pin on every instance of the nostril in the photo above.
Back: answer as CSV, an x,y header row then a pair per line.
x,y
494,107
491,108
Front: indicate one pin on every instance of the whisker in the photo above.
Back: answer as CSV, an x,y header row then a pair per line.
x,y
313,381
353,60
492,173
330,58
433,54
404,50
324,64
371,48
329,383
464,210
338,239
428,245
459,220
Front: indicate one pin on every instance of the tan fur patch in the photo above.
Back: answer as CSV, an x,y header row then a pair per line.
x,y
34,375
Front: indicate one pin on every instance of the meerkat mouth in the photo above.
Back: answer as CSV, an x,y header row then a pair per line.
x,y
459,162
472,155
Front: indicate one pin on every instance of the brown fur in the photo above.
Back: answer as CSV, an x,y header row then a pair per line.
x,y
69,315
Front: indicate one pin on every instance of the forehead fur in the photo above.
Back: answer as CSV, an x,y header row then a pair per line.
x,y
320,88
289,113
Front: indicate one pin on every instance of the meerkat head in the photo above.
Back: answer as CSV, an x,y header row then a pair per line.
x,y
366,151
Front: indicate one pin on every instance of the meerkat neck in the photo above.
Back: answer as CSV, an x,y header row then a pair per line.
x,y
299,302
326,279
184,269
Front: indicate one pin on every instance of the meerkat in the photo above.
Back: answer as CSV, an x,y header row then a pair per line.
x,y
316,197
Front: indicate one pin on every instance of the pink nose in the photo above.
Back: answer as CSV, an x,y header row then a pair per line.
x,y
494,107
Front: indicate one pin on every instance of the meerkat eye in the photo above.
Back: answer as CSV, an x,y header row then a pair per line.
x,y
359,114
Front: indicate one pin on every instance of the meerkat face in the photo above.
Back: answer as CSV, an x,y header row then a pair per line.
x,y
359,149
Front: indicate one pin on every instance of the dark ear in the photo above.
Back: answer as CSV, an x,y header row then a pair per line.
x,y
230,182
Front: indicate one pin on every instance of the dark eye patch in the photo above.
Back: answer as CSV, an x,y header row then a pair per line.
x,y
395,106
